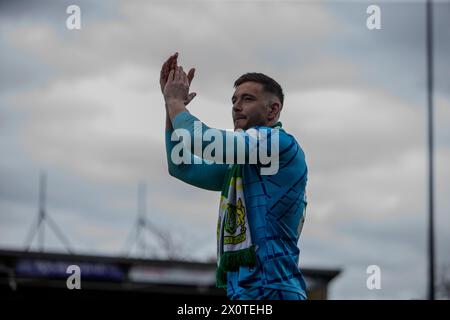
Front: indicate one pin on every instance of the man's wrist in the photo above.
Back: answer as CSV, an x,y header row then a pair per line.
x,y
173,101
174,107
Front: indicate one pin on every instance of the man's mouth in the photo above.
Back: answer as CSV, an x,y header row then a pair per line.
x,y
239,118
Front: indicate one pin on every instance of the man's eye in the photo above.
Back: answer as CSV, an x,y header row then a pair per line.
x,y
247,98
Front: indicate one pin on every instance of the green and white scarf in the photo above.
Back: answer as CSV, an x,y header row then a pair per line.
x,y
234,242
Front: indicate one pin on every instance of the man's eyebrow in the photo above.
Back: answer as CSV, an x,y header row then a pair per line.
x,y
243,96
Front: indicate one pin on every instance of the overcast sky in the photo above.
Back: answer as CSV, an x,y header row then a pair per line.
x,y
86,107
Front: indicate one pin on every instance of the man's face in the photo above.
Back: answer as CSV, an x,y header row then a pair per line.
x,y
249,106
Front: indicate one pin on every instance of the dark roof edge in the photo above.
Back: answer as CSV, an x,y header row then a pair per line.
x,y
327,274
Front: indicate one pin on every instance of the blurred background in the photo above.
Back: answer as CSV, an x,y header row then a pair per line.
x,y
82,138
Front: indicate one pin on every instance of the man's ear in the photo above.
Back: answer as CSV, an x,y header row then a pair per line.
x,y
274,109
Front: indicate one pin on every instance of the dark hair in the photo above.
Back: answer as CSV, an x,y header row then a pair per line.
x,y
269,85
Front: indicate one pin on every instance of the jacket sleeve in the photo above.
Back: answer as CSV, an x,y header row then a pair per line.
x,y
260,146
197,172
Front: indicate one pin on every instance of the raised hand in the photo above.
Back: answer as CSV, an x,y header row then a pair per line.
x,y
171,64
176,88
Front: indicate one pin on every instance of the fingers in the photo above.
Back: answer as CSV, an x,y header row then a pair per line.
x,y
166,67
167,64
180,75
164,73
174,61
170,78
190,97
176,76
185,79
170,63
191,75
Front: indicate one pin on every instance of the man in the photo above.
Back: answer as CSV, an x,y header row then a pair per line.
x,y
260,215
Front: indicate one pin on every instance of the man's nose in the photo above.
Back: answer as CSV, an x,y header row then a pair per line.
x,y
237,107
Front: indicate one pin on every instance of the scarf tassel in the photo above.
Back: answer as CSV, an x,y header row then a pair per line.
x,y
231,261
